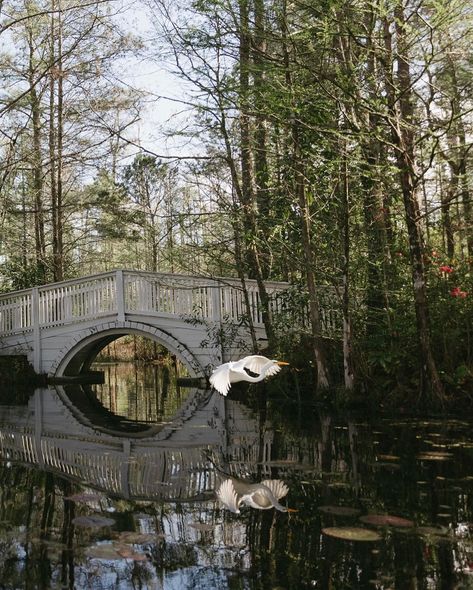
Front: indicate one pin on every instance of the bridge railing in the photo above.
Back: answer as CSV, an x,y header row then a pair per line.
x,y
16,312
77,300
133,292
130,292
185,296
168,294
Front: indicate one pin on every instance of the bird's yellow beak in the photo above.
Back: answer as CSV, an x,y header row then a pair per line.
x,y
292,509
281,363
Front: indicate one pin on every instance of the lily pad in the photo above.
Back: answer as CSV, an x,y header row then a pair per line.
x,y
127,552
386,465
93,521
434,456
112,551
438,445
103,551
388,457
386,520
432,531
137,538
339,510
352,534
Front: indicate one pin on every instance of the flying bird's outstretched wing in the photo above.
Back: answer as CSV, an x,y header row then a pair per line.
x,y
220,379
278,488
256,363
227,495
273,369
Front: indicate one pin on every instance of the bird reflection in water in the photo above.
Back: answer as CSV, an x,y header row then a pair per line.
x,y
233,492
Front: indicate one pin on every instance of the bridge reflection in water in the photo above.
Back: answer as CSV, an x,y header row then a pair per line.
x,y
335,467
135,461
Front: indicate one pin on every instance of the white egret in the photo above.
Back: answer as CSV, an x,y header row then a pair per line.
x,y
234,492
234,371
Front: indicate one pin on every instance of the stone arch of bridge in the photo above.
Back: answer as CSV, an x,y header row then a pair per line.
x,y
81,349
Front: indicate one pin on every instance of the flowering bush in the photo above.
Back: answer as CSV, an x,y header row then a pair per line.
x,y
450,286
446,268
457,292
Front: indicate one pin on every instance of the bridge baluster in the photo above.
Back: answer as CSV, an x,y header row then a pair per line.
x,y
120,295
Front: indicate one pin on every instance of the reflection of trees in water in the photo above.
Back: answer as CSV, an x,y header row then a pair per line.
x,y
141,391
52,549
334,461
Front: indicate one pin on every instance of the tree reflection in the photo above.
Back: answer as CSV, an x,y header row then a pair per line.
x,y
158,487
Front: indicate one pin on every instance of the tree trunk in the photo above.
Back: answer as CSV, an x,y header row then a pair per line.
x,y
246,167
375,208
465,190
241,275
37,166
318,348
323,381
401,120
447,200
260,136
59,254
245,191
460,157
54,154
253,257
367,123
348,365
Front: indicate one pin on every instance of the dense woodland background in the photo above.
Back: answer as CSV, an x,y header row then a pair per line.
x,y
322,143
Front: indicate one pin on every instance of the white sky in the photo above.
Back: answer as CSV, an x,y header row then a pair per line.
x,y
163,111
160,114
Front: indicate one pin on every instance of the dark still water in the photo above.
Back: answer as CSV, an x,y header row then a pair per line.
x,y
113,487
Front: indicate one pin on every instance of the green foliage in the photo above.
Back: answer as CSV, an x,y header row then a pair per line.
x,y
452,320
22,274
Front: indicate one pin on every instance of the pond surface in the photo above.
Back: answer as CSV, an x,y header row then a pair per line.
x,y
113,487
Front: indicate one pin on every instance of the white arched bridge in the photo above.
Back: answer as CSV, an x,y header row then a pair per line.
x,y
62,326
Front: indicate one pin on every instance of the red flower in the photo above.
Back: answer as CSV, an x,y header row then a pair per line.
x,y
457,292
446,268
